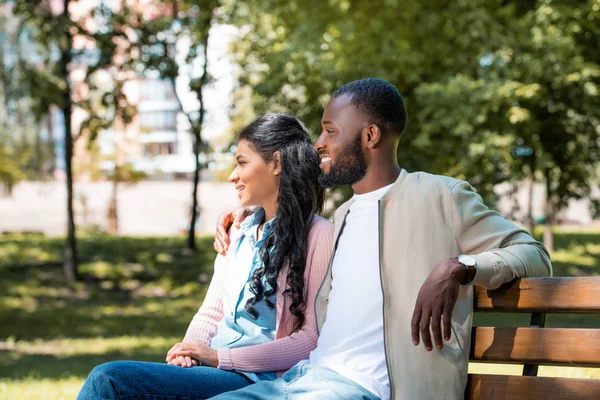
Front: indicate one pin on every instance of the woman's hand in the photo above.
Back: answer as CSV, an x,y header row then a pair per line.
x,y
185,362
198,351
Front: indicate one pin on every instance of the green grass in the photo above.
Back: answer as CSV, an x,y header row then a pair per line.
x,y
136,299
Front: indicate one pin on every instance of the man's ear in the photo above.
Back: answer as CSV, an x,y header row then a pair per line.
x,y
373,136
276,163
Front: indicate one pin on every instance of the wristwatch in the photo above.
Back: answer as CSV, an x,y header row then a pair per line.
x,y
471,266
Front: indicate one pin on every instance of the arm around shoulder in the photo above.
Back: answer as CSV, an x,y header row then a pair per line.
x,y
502,250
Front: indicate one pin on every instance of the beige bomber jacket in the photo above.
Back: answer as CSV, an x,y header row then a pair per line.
x,y
424,219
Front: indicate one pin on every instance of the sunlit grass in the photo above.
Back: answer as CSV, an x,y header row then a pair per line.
x,y
137,298
40,388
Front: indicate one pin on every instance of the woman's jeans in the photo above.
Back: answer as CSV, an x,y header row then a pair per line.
x,y
145,380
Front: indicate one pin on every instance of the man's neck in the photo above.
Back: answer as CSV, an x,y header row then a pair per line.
x,y
376,178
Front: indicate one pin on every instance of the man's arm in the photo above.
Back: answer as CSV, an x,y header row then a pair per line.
x,y
224,222
501,250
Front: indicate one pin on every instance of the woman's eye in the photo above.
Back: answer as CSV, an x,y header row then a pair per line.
x,y
329,131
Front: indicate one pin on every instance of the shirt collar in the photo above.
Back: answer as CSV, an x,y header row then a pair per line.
x,y
249,225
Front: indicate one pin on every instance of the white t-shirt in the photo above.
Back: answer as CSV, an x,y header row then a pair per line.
x,y
351,339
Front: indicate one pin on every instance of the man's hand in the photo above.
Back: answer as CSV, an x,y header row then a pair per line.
x,y
435,303
196,350
226,219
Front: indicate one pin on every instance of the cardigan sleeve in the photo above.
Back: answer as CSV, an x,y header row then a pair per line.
x,y
205,323
284,353
502,250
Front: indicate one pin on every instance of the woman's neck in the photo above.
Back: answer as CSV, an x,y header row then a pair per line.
x,y
270,212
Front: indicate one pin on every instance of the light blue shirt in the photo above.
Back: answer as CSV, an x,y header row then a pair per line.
x,y
238,328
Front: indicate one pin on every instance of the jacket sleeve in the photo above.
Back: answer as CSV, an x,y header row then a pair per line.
x,y
502,250
206,321
282,354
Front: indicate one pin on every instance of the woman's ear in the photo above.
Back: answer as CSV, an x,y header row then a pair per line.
x,y
276,163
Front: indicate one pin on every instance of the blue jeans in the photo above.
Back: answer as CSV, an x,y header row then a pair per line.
x,y
303,382
145,380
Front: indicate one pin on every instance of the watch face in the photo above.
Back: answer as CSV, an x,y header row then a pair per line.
x,y
467,261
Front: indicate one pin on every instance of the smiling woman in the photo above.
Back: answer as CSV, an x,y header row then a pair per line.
x,y
257,319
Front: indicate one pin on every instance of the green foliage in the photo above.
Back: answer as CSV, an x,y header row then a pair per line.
x,y
10,168
483,80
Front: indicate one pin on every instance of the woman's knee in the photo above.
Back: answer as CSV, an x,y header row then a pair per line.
x,y
101,383
109,370
108,377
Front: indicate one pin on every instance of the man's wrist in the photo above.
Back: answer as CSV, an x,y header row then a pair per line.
x,y
462,273
459,272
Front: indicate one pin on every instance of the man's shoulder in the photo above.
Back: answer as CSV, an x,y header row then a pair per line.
x,y
425,178
424,184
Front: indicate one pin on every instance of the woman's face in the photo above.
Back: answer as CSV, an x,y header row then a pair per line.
x,y
256,181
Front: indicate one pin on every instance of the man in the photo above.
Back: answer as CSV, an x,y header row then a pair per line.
x,y
408,248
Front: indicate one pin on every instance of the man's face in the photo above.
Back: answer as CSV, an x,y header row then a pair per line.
x,y
339,145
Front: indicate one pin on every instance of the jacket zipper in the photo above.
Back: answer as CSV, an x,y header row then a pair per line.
x,y
385,343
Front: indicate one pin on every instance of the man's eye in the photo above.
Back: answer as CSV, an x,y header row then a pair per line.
x,y
329,130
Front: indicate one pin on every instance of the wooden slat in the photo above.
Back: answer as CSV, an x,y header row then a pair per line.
x,y
555,295
499,387
549,346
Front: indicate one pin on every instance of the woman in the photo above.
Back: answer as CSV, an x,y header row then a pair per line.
x,y
257,319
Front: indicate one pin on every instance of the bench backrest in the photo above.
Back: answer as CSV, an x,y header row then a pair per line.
x,y
537,345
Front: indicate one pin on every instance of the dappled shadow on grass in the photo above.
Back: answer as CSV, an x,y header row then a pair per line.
x,y
14,365
130,286
576,253
159,316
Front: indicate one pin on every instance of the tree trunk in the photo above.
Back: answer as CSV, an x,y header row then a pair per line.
x,y
191,242
70,262
198,143
549,214
113,214
530,220
51,144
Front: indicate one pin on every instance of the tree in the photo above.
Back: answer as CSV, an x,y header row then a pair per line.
x,y
22,115
497,91
99,93
542,85
160,39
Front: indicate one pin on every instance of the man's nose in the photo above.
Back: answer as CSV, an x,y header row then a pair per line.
x,y
320,143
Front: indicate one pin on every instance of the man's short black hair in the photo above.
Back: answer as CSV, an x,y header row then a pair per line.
x,y
378,99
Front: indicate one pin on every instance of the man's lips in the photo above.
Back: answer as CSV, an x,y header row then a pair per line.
x,y
240,189
325,160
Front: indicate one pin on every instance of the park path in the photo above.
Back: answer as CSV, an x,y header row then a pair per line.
x,y
147,208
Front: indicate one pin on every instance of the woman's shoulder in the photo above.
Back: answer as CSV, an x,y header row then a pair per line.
x,y
320,228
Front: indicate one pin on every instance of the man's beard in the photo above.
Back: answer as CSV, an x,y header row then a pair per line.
x,y
349,168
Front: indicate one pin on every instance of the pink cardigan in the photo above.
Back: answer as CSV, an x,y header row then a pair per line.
x,y
289,347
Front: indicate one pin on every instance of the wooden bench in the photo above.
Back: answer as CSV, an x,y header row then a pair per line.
x,y
537,345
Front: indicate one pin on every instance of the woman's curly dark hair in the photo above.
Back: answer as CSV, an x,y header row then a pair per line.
x,y
300,198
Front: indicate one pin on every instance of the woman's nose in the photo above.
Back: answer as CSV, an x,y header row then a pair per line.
x,y
233,176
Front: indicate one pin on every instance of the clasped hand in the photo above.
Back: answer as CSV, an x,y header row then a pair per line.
x,y
190,354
